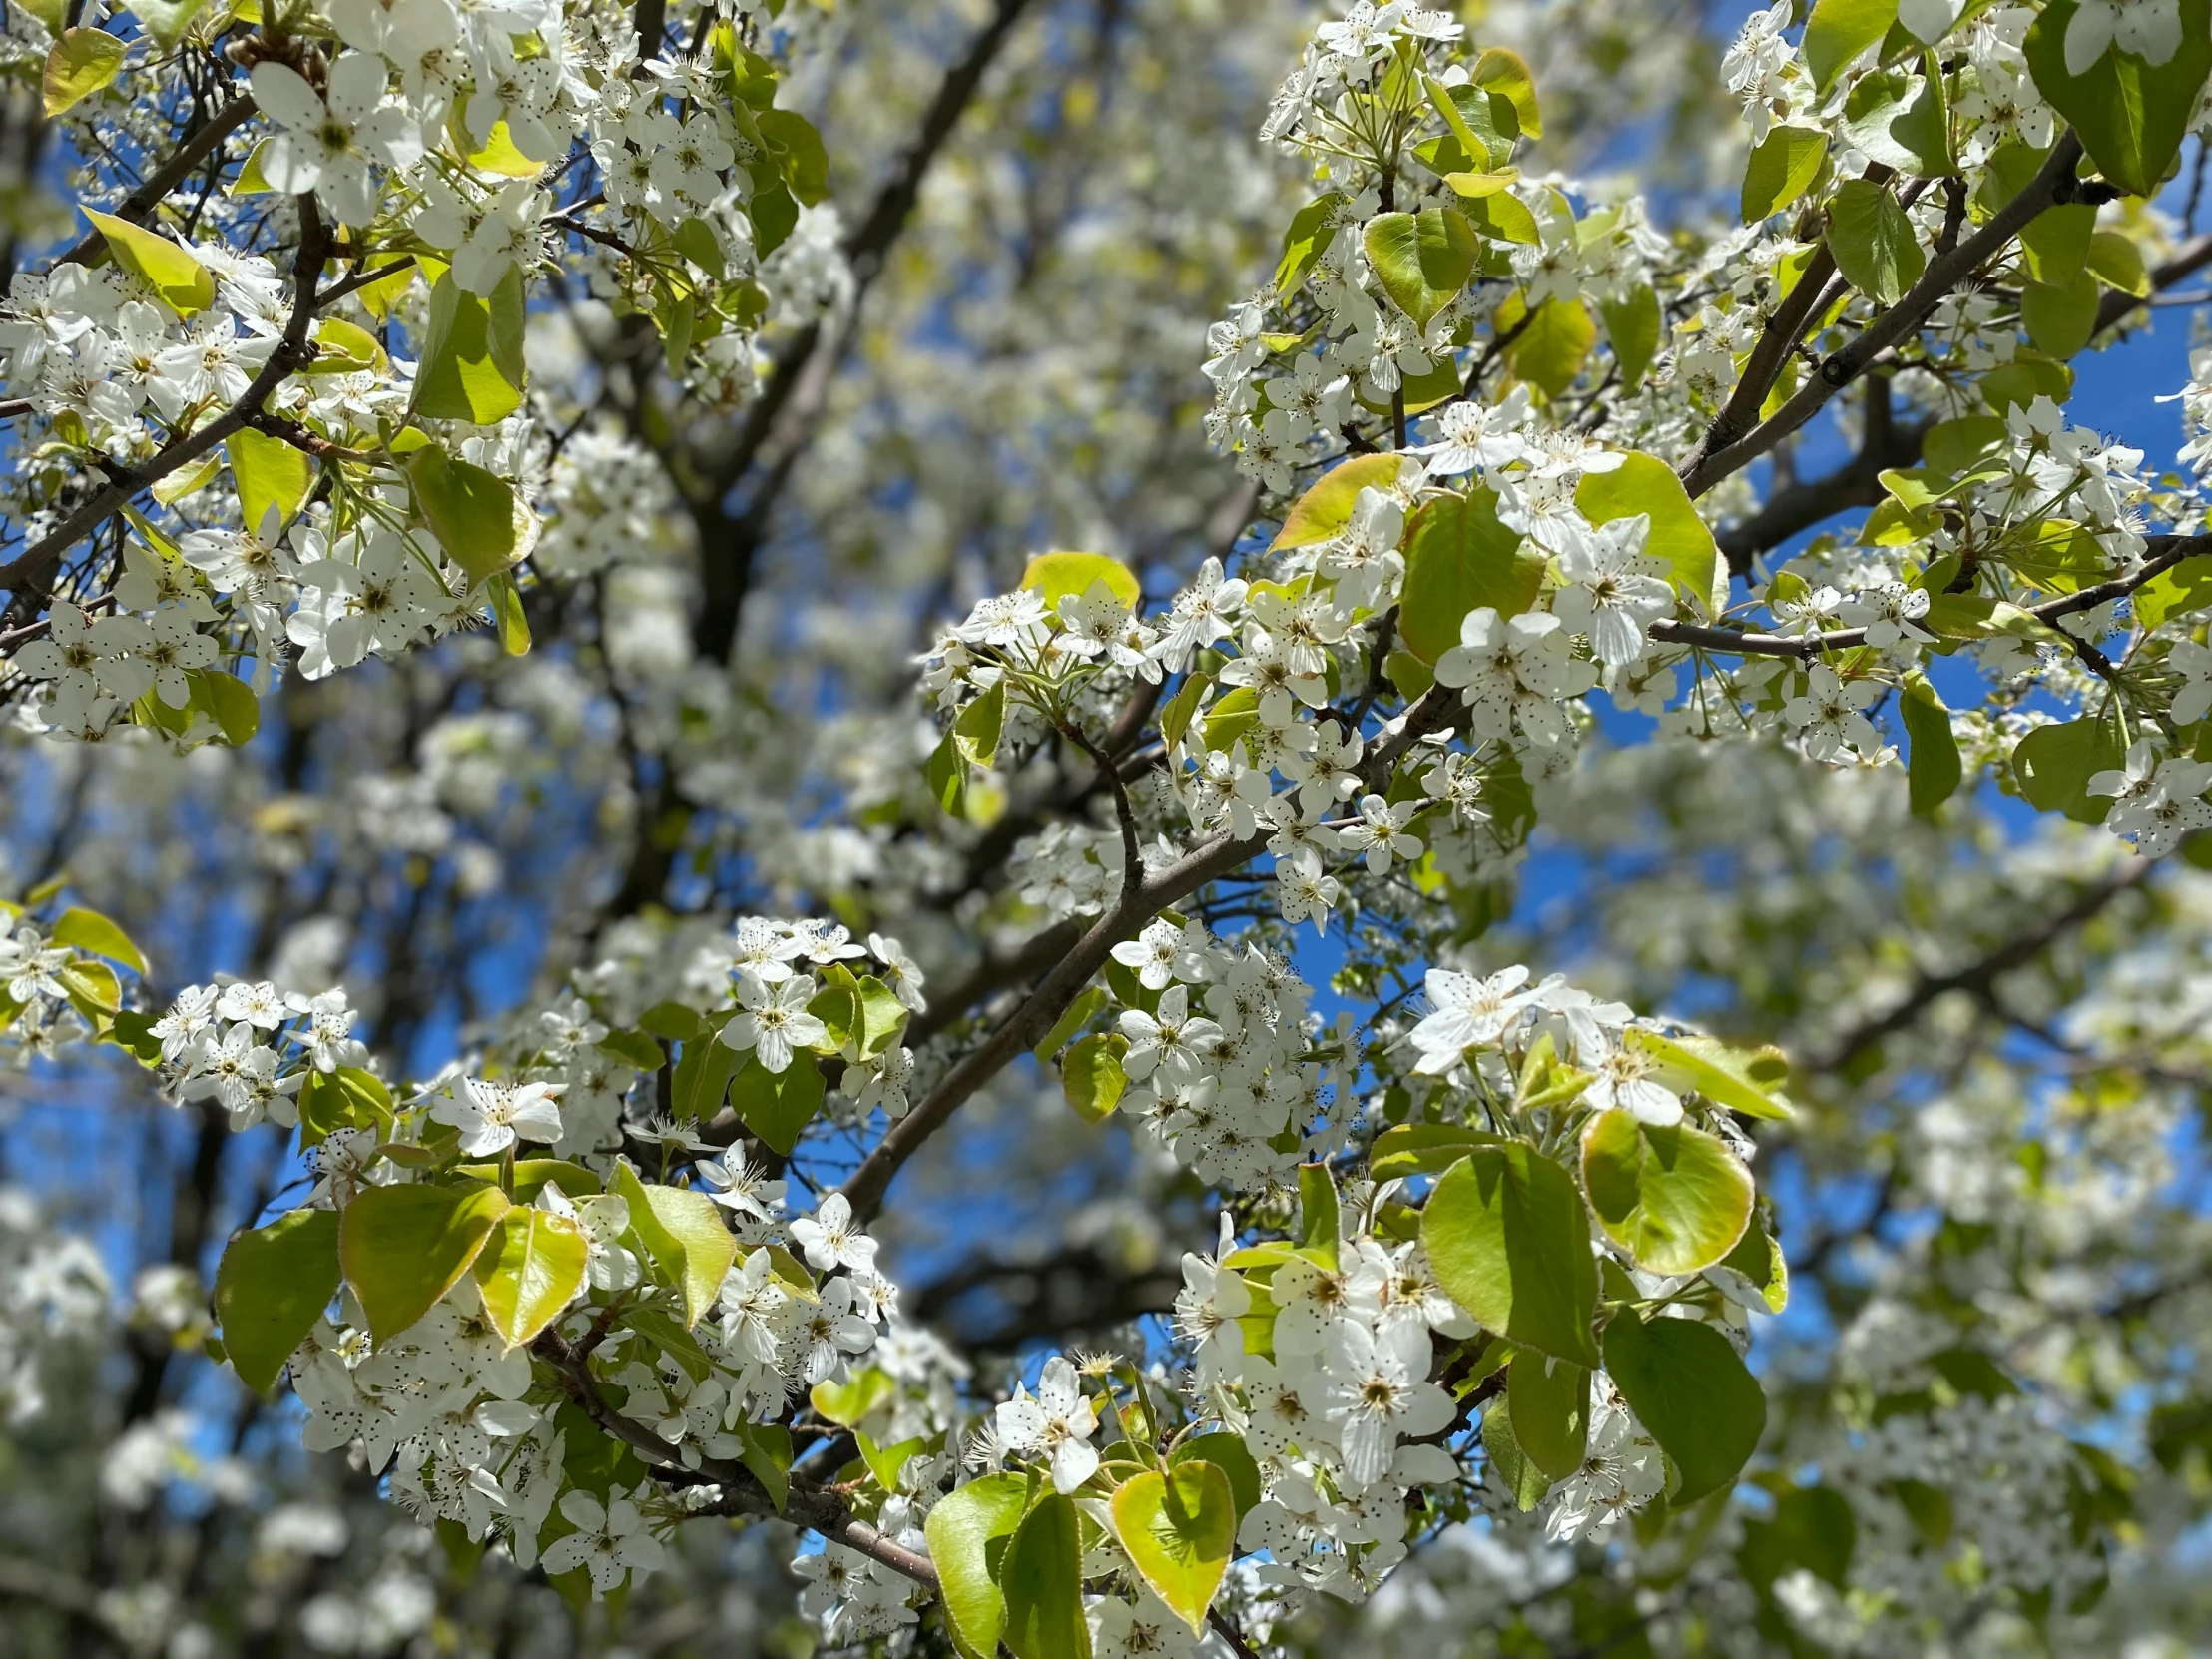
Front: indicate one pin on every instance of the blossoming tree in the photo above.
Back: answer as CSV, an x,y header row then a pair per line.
x,y
429,378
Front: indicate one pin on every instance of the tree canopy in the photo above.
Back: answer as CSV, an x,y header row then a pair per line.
x,y
1104,827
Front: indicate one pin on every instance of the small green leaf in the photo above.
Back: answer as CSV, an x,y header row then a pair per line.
x,y
2186,587
1549,1400
799,154
1872,241
978,725
90,930
1632,329
683,1232
1510,1241
767,1454
1230,1454
1041,1577
702,1078
1179,1530
1690,1391
1460,557
529,1270
2132,115
508,614
183,283
846,1404
227,701
947,774
778,1105
1519,1476
93,989
273,1283
967,1532
2060,319
270,476
1423,259
78,64
1759,1259
1675,1198
167,20
1077,1015
1312,229
1838,31
1060,575
1091,1075
484,526
1783,165
402,1248
1742,1080
1423,1149
472,364
1318,1207
2054,765
1551,350
1504,75
1932,767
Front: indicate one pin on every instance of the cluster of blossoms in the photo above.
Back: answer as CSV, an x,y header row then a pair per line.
x,y
1978,550
54,1291
459,151
1227,1065
251,1048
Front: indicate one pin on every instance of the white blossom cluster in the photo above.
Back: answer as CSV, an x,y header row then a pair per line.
x,y
54,1291
1228,1067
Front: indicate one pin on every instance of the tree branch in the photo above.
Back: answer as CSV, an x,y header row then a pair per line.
x,y
1978,976
2055,183
2171,550
164,179
1139,903
27,572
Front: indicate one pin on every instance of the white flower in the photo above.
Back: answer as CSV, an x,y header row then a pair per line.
x,y
1465,1012
831,1240
1829,714
901,972
1380,832
736,1185
1378,1392
1059,1420
1206,1309
774,1021
2151,29
1612,593
326,143
492,1116
1621,1470
1623,1080
609,1540
829,1330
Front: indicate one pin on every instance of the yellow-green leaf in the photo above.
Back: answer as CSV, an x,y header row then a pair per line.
x,y
1178,1529
1322,513
183,283
1509,1239
529,1270
402,1248
90,930
683,1232
1058,575
274,1283
1675,1198
480,520
962,1530
79,65
271,476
